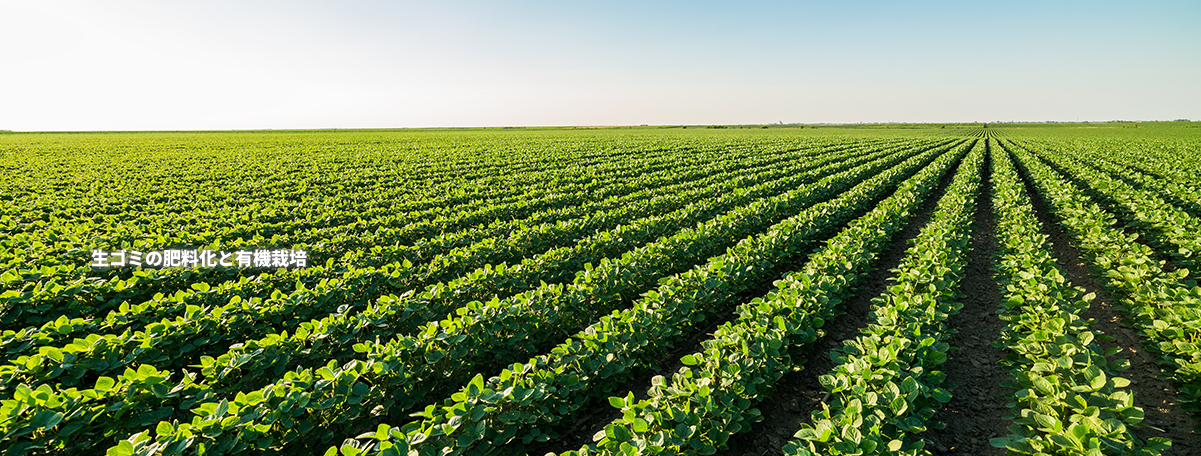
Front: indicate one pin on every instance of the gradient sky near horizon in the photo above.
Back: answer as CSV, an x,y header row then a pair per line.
x,y
219,64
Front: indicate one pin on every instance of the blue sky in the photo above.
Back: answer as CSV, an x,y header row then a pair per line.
x,y
138,65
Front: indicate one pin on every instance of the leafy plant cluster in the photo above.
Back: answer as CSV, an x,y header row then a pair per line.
x,y
66,285
516,405
1165,306
885,387
446,257
399,314
472,236
1163,226
1148,175
400,374
703,405
102,355
1069,399
200,330
144,394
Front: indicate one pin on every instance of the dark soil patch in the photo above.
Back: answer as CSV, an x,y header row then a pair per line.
x,y
974,377
1157,397
798,393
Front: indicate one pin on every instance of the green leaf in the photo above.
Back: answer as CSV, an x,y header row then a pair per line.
x,y
617,402
868,446
640,425
1096,378
627,449
683,431
105,384
617,433
1002,442
164,429
1043,386
476,386
937,357
433,356
806,434
689,360
1085,338
895,445
942,395
47,419
122,449
898,406
1049,423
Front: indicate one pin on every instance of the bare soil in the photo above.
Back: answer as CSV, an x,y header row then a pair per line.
x,y
974,376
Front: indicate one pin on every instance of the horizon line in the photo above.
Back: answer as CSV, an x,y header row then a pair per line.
x,y
599,126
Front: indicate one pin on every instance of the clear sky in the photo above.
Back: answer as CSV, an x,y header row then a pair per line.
x,y
218,64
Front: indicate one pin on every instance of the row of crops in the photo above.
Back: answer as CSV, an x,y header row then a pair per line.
x,y
488,292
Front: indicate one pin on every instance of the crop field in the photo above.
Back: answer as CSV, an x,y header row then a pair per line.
x,y
970,289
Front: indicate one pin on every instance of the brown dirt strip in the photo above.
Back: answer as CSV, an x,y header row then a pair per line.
x,y
974,377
